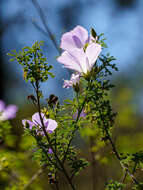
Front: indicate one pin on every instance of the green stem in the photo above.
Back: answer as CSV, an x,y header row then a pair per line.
x,y
124,178
119,158
74,131
48,139
34,177
44,21
134,169
125,168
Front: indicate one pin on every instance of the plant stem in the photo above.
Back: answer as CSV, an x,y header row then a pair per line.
x,y
74,131
42,16
134,169
48,139
56,183
125,168
34,177
124,178
119,158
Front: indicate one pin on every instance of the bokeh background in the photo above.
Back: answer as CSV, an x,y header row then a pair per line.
x,y
122,23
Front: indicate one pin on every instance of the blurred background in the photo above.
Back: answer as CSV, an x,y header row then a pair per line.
x,y
121,22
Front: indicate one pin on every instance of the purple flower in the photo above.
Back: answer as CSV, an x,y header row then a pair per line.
x,y
82,114
76,38
26,122
81,50
73,81
8,112
80,60
49,124
50,151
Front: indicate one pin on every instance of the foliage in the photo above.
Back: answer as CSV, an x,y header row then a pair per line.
x,y
35,66
114,185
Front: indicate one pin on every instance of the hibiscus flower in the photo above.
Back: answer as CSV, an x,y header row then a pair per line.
x,y
7,112
49,124
80,60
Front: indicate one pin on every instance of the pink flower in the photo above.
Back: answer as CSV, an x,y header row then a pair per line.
x,y
8,112
76,38
82,114
81,51
26,122
49,124
73,81
50,151
80,60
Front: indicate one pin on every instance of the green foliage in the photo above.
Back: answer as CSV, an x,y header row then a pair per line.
x,y
138,187
114,185
133,161
34,64
77,165
5,128
98,106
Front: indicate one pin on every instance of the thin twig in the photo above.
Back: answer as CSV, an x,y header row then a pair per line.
x,y
34,177
125,168
124,178
48,139
74,131
134,169
119,158
42,16
39,28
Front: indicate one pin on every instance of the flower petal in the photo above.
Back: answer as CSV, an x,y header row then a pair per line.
x,y
50,151
10,112
75,59
74,79
81,33
82,114
67,41
31,124
51,125
67,84
2,105
80,58
36,118
77,42
69,61
93,50
76,38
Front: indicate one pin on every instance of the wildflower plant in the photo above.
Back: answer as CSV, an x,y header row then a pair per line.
x,y
89,113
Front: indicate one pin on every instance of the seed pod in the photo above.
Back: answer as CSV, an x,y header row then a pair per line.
x,y
52,100
32,97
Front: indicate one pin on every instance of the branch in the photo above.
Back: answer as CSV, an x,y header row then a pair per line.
x,y
34,177
39,28
74,131
42,16
48,139
119,158
115,151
